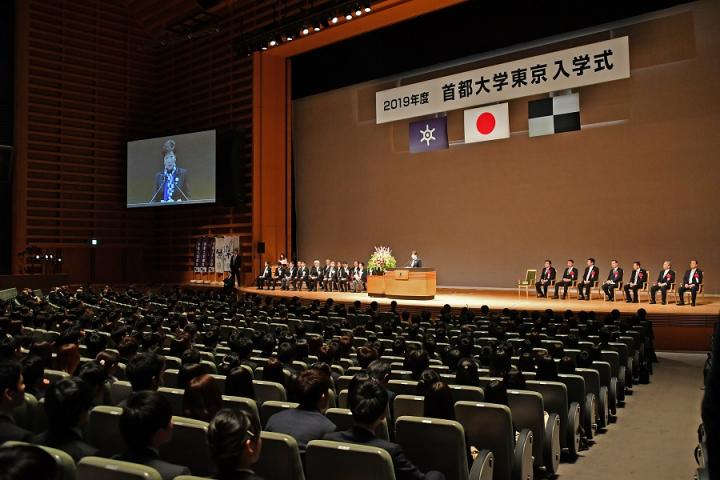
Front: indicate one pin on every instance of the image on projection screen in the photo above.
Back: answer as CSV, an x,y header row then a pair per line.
x,y
171,170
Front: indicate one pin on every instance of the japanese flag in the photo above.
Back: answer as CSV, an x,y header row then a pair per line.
x,y
487,123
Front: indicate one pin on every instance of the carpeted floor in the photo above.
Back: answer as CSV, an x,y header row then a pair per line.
x,y
656,432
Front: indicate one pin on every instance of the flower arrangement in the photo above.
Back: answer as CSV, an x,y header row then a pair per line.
x,y
381,260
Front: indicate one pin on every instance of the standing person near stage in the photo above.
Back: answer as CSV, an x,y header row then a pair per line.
x,y
615,276
569,276
589,277
692,280
546,278
637,279
415,260
665,279
235,267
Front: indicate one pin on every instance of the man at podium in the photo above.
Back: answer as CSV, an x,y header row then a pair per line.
x,y
415,261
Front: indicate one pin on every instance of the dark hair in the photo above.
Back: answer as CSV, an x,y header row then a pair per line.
x,y
500,363
426,380
583,360
68,358
33,370
398,347
451,358
592,260
188,371
95,343
496,392
144,370
191,355
365,356
467,373
326,354
312,384
8,348
566,365
21,462
439,402
379,370
65,403
241,345
526,362
202,398
273,371
368,400
226,436
416,361
144,414
9,375
93,374
286,352
128,347
239,383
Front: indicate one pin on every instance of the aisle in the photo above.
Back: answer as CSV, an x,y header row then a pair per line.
x,y
658,441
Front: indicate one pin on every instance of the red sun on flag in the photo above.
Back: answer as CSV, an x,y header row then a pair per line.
x,y
485,123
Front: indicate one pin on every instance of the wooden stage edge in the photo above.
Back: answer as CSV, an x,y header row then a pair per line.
x,y
676,328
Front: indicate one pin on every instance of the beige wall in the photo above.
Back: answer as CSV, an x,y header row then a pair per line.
x,y
639,181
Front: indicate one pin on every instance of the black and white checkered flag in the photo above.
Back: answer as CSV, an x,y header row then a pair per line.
x,y
554,115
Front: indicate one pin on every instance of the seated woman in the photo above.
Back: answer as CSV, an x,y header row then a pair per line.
x,y
426,381
467,373
239,383
202,398
235,444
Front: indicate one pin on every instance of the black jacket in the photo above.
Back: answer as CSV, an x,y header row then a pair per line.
x,y
697,278
547,274
570,274
10,431
151,458
594,273
638,277
615,276
668,277
302,425
69,441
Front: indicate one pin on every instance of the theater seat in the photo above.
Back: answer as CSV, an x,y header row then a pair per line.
x,y
175,397
65,464
592,385
188,446
277,446
247,405
465,393
120,391
403,387
489,426
452,459
96,468
409,405
271,407
342,400
555,400
575,385
55,375
527,412
26,414
265,391
103,431
326,460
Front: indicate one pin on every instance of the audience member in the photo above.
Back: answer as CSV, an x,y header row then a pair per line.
x,y
239,383
26,462
235,444
202,398
12,395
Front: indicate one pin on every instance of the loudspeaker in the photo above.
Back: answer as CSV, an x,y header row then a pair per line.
x,y
261,247
230,180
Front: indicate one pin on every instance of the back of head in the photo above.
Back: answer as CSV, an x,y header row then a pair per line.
x,y
93,374
273,371
228,435
427,379
286,353
566,365
368,401
188,371
144,414
144,370
239,383
241,345
95,343
500,363
68,358
496,392
365,356
547,370
515,380
467,373
202,398
417,361
379,370
9,375
66,404
439,402
23,462
312,384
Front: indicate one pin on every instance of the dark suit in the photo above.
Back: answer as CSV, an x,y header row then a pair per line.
x,y
694,282
637,279
69,441
265,277
302,277
151,458
343,278
181,185
548,275
288,278
302,425
10,431
417,263
664,280
569,276
404,468
591,276
615,276
235,269
314,278
330,279
239,475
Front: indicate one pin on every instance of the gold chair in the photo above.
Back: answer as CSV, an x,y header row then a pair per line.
x,y
645,287
619,291
700,292
528,283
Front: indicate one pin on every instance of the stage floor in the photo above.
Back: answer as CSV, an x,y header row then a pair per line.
x,y
499,299
679,328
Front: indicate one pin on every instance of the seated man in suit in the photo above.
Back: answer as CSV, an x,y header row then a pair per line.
x,y
590,276
67,405
638,277
301,277
666,277
330,277
171,183
265,276
569,276
306,422
368,402
280,273
615,276
314,276
288,277
691,282
325,271
12,395
343,277
145,425
415,260
546,278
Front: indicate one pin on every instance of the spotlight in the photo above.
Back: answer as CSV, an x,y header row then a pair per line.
x,y
358,11
273,42
317,27
348,17
334,19
305,30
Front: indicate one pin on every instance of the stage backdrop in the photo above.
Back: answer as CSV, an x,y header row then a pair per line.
x,y
639,181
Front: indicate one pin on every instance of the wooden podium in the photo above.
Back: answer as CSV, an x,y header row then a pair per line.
x,y
409,283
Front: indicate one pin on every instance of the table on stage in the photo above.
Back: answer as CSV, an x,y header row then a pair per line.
x,y
413,283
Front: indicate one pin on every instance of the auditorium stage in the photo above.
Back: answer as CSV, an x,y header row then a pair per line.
x,y
676,327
